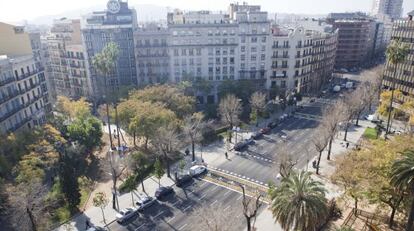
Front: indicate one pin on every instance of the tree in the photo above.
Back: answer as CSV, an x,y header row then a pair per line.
x,y
100,200
86,131
167,143
250,206
229,110
193,128
348,108
73,109
158,170
299,203
210,217
396,53
402,177
117,168
28,204
104,63
69,180
286,161
332,116
258,103
129,185
169,96
320,141
141,166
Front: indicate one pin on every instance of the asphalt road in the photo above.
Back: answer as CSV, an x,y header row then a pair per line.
x,y
174,213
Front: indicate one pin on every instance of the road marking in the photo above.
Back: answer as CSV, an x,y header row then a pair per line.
x,y
175,202
214,202
182,227
227,208
169,220
159,214
202,183
139,227
202,197
187,208
226,193
240,197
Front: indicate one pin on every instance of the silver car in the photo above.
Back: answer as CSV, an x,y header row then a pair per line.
x,y
145,202
125,214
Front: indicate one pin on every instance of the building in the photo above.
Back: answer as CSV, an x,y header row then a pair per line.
x,y
152,55
65,60
403,79
115,24
356,36
392,8
23,90
302,57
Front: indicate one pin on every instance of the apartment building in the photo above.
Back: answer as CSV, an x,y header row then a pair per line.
x,y
356,36
392,8
152,55
65,60
302,58
115,24
23,90
403,78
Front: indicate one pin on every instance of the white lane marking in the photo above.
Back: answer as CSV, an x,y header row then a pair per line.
x,y
227,208
139,227
202,197
175,202
239,197
169,220
182,227
203,183
187,208
214,202
159,214
226,193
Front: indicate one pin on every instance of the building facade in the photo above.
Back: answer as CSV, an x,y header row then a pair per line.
x,y
392,8
116,24
302,59
65,60
402,76
23,91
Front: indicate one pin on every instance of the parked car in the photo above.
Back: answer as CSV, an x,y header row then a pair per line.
x,y
265,130
95,228
144,203
183,180
125,214
257,135
240,145
249,141
197,170
272,125
163,191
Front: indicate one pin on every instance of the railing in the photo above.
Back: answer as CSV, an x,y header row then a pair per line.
x,y
6,81
10,96
20,124
10,113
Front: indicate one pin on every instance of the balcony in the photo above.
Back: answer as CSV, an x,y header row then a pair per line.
x,y
32,100
34,72
280,47
28,88
10,96
278,76
10,113
20,124
6,81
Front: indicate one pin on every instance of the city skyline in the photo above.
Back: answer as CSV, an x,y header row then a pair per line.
x,y
36,9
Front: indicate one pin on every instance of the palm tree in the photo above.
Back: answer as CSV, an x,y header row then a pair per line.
x,y
402,177
396,54
299,203
104,63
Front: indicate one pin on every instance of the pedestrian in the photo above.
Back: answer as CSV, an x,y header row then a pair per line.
x,y
88,224
226,155
347,144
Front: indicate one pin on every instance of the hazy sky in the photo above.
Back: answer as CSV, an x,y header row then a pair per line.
x,y
16,10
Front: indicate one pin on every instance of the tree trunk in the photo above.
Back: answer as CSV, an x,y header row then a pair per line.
x,y
168,165
142,185
391,99
109,125
329,148
346,131
355,205
103,216
319,161
135,136
249,223
231,130
32,221
193,147
132,197
410,217
393,210
357,119
117,129
146,143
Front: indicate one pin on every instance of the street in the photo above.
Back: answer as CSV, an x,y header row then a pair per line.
x,y
174,212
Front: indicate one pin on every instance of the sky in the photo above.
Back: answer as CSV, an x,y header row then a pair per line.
x,y
17,10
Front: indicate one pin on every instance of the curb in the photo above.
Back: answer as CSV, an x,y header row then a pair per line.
x,y
254,156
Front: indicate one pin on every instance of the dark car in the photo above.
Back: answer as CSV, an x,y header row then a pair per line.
x,y
257,135
239,146
163,191
272,125
183,180
265,130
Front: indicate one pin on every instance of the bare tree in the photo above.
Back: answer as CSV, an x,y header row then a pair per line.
x,y
374,79
193,128
348,108
229,110
211,218
117,168
250,208
332,116
320,141
286,162
28,204
167,143
258,103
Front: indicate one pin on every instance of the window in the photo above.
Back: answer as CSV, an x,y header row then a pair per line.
x,y
253,58
217,61
253,49
243,40
231,60
198,51
243,48
254,40
224,60
263,39
283,84
210,70
263,48
263,57
183,52
217,51
232,51
191,51
243,57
